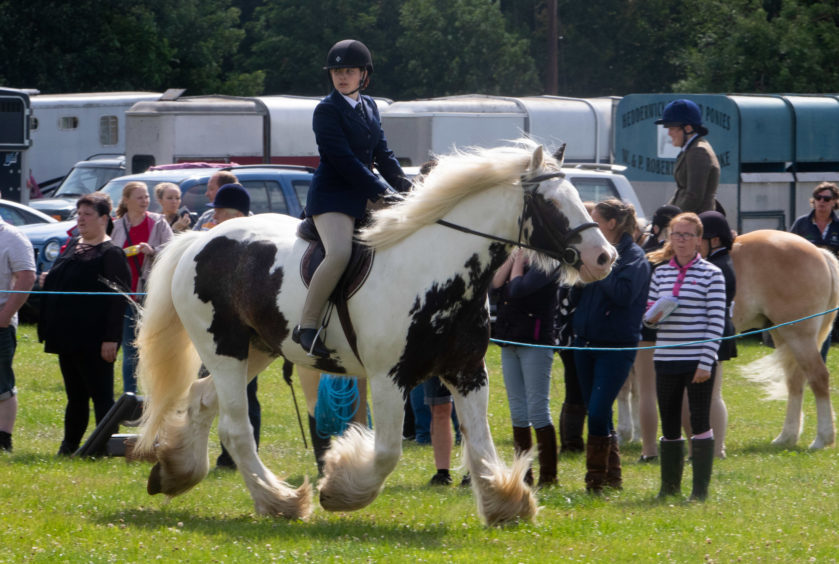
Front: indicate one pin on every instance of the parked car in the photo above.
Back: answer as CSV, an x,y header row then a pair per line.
x,y
85,177
272,188
47,238
18,214
597,182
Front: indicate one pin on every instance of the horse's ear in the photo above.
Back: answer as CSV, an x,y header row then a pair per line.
x,y
559,155
537,158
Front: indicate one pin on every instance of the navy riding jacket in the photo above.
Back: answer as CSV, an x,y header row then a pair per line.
x,y
610,310
349,145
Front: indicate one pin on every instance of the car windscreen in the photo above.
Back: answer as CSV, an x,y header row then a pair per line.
x,y
595,189
84,180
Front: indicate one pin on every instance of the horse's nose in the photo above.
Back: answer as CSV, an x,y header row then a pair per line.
x,y
603,259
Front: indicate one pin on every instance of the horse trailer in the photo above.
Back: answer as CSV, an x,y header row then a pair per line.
x,y
419,129
68,128
241,130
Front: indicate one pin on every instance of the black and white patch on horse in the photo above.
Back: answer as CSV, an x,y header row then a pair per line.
x,y
232,295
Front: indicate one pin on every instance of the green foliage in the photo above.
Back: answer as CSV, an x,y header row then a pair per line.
x,y
766,503
791,48
457,47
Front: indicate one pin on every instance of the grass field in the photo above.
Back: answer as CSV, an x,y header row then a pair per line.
x,y
766,503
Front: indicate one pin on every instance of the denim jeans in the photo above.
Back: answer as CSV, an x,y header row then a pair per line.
x,y
527,377
602,375
422,416
129,351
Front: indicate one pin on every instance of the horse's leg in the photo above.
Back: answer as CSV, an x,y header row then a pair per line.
x,y
794,420
359,461
502,495
182,459
271,496
814,369
625,414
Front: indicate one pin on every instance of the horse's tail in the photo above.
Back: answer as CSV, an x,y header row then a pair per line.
x,y
770,371
168,361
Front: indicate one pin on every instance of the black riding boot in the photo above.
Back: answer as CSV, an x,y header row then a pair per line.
x,y
571,420
703,463
546,439
672,457
523,442
614,474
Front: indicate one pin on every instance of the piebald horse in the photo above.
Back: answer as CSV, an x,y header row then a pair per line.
x,y
782,277
230,297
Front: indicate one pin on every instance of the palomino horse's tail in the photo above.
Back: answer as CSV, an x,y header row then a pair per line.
x,y
168,361
771,371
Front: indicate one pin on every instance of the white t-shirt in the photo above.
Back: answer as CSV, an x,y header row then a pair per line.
x,y
16,255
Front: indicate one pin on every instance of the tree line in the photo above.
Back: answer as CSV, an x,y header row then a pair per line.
x,y
422,48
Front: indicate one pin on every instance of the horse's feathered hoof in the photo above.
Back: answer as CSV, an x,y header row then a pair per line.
x,y
153,486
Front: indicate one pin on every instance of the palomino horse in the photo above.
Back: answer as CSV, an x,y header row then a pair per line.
x,y
782,277
232,296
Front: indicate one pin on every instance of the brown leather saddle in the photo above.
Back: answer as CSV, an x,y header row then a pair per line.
x,y
356,273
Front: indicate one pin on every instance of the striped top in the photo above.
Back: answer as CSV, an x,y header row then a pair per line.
x,y
700,315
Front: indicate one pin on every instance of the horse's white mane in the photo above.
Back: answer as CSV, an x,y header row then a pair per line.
x,y
454,177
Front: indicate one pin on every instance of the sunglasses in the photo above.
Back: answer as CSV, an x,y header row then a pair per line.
x,y
824,198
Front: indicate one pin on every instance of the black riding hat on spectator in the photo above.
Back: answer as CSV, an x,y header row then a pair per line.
x,y
233,196
714,224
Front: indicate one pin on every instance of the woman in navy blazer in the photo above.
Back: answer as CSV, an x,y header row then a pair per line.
x,y
350,140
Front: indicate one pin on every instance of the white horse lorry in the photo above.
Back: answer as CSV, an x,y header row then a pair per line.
x,y
68,128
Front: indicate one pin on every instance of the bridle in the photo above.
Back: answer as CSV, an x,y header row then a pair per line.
x,y
568,254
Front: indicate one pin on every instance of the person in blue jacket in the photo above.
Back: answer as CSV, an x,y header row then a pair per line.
x,y
350,140
609,316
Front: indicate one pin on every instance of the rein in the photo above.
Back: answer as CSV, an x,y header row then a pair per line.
x,y
569,255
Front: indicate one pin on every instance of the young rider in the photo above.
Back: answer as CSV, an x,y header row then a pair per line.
x,y
350,141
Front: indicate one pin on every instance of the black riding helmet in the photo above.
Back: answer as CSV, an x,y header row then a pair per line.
x,y
350,53
714,224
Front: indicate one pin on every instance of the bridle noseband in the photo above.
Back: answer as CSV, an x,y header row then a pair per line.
x,y
568,255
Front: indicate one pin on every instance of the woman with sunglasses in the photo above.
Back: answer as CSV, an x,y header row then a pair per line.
x,y
821,225
687,306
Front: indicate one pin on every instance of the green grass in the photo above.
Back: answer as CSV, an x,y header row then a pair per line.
x,y
766,503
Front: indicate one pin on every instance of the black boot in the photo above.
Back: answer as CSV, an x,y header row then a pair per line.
x,y
672,457
614,476
546,439
597,462
319,444
310,341
571,420
5,441
523,442
703,463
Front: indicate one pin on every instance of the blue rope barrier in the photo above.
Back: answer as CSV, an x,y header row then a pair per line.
x,y
514,343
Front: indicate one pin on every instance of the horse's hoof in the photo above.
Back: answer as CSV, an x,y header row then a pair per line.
x,y
153,486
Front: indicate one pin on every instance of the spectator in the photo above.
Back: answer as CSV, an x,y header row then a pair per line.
x,y
716,243
17,273
216,181
350,141
821,225
168,195
526,314
643,369
572,415
85,330
697,290
697,171
142,234
609,316
229,202
439,400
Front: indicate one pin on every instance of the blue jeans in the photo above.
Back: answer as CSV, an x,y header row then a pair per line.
x,y
8,344
527,377
422,416
602,375
129,351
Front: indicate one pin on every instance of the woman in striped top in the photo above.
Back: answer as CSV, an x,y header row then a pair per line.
x,y
699,288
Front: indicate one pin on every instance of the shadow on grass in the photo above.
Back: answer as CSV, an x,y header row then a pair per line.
x,y
320,527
